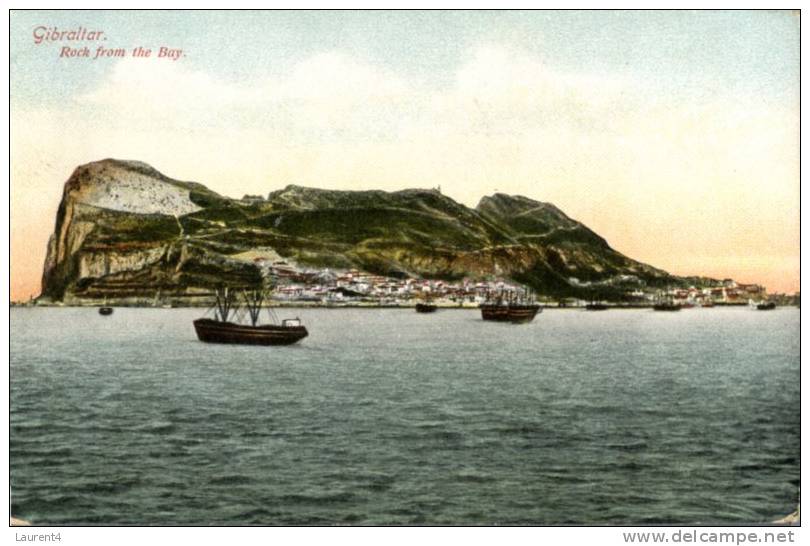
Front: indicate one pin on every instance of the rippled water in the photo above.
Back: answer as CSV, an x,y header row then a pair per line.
x,y
394,417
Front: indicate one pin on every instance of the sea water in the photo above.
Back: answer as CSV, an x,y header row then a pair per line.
x,y
386,416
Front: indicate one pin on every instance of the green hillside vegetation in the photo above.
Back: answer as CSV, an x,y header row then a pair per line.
x,y
419,233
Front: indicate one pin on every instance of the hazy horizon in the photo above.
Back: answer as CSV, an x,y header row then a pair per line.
x,y
673,135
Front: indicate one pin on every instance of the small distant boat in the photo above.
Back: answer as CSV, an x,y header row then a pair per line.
x,y
425,308
707,304
105,311
221,330
769,306
596,307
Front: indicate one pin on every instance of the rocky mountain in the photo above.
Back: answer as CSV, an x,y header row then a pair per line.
x,y
124,230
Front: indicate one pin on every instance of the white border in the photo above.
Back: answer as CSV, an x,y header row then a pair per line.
x,y
335,536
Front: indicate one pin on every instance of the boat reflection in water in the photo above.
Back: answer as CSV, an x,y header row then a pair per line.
x,y
226,326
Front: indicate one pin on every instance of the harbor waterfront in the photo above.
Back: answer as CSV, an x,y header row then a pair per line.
x,y
386,416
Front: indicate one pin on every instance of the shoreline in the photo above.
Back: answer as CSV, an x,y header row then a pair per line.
x,y
345,305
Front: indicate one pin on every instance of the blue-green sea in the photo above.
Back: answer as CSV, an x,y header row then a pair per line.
x,y
386,416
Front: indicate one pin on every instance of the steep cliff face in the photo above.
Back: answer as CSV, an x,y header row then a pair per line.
x,y
124,230
117,233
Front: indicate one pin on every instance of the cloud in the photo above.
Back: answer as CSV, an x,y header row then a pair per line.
x,y
331,95
138,89
515,80
335,77
326,91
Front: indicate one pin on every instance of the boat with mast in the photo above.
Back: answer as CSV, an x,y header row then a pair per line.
x,y
231,315
510,307
425,306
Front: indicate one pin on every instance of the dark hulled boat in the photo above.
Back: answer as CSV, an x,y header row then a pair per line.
x,y
510,312
425,308
105,311
510,308
769,306
215,331
221,330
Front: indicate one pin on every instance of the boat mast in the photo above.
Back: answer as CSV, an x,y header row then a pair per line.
x,y
253,302
224,303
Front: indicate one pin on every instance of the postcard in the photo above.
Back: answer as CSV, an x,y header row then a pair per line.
x,y
404,268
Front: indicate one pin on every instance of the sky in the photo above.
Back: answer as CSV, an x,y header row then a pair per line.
x,y
672,134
